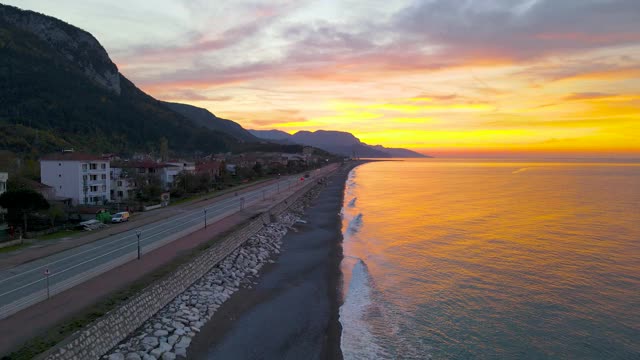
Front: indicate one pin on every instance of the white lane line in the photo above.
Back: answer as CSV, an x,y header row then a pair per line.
x,y
142,228
112,251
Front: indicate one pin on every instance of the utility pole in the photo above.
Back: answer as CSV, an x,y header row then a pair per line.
x,y
138,233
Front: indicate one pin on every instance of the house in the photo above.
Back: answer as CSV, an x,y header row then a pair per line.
x,y
81,177
125,175
172,169
211,167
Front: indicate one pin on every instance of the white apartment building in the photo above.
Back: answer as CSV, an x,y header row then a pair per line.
x,y
3,187
3,182
82,177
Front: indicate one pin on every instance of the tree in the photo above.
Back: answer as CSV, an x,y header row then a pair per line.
x,y
55,213
257,168
164,148
21,203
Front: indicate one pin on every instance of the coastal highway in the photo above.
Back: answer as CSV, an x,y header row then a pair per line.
x,y
30,283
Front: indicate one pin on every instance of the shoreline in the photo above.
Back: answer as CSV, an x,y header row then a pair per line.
x,y
292,309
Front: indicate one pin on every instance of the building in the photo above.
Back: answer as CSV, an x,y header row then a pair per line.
x,y
123,186
81,177
211,168
172,169
4,177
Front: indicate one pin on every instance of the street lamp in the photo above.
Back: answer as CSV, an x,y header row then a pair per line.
x,y
205,218
46,274
138,233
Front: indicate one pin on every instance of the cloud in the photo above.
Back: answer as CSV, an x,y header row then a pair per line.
x,y
520,30
588,96
190,95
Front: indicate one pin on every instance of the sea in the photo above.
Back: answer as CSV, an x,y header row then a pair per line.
x,y
491,259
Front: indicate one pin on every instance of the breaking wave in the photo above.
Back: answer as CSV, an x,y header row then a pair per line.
x,y
355,224
357,339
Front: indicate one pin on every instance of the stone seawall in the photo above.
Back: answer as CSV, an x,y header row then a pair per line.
x,y
109,330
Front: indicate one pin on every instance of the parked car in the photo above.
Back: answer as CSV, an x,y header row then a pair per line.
x,y
120,217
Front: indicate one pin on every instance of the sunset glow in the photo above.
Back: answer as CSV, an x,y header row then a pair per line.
x,y
440,77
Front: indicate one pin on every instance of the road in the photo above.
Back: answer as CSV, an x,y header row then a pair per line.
x,y
30,283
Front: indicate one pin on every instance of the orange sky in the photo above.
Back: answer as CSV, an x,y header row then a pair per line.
x,y
440,76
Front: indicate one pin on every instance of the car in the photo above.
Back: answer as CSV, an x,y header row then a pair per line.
x,y
120,217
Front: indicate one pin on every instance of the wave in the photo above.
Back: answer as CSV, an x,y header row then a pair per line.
x,y
520,170
355,224
373,328
357,340
352,203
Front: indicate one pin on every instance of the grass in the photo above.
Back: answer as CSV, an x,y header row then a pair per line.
x,y
213,194
60,234
61,331
12,248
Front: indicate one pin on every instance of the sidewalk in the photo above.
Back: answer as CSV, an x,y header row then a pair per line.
x,y
49,247
37,319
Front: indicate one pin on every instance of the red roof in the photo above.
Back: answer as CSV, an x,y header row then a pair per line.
x,y
209,165
72,156
146,164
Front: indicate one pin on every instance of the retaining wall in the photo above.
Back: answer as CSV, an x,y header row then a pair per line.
x,y
109,330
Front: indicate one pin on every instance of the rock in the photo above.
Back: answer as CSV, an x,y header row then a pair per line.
x,y
150,341
172,339
116,356
157,352
168,356
133,356
184,342
159,333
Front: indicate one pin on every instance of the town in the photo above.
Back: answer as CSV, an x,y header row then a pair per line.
x,y
69,188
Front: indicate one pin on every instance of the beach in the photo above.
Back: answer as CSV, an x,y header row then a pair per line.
x,y
291,312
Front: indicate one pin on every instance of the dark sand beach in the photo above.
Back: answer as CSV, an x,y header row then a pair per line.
x,y
292,311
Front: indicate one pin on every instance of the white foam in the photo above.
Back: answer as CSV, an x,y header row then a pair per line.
x,y
357,341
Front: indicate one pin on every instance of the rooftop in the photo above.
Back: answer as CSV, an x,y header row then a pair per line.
x,y
72,156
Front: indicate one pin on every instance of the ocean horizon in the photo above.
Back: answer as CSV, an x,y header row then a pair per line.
x,y
491,258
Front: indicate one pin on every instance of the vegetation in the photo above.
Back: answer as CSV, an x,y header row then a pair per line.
x,y
47,103
21,203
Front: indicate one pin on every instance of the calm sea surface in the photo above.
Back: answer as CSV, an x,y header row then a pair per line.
x,y
456,259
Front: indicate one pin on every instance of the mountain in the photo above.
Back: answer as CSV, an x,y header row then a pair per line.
x,y
203,117
337,142
275,135
59,89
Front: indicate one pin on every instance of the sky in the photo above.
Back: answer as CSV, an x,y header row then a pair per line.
x,y
443,77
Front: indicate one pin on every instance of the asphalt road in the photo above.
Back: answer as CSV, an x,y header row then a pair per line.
x,y
30,283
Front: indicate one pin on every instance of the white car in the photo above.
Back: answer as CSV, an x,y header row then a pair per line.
x,y
120,217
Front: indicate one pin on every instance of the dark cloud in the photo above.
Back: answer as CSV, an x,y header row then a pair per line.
x,y
520,29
